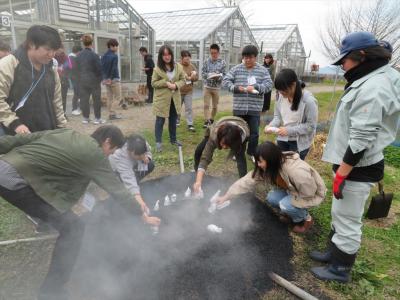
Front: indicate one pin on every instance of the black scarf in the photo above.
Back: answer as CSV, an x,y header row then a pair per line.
x,y
363,69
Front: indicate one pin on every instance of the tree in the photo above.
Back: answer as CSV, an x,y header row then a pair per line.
x,y
380,17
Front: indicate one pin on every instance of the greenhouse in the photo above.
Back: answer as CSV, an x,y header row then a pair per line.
x,y
284,43
196,29
105,19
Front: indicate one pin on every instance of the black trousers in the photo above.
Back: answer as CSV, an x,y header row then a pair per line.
x,y
254,126
85,91
64,92
151,89
240,157
70,227
292,146
267,101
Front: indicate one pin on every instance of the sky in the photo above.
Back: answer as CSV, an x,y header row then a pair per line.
x,y
310,15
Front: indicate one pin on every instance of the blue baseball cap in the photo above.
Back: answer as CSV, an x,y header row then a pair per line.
x,y
355,41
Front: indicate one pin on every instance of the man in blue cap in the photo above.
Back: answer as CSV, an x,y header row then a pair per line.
x,y
365,123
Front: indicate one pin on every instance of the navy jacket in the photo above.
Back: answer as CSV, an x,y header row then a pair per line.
x,y
89,68
109,64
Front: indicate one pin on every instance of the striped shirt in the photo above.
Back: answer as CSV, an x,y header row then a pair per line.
x,y
10,178
247,103
218,66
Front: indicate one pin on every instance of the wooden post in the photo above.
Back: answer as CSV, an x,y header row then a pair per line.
x,y
291,287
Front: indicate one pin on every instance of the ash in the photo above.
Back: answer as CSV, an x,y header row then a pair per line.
x,y
121,258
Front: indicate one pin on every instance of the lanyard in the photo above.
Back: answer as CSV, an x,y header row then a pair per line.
x,y
32,87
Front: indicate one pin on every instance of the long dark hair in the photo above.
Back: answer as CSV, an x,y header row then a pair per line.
x,y
283,80
274,157
160,62
230,135
268,55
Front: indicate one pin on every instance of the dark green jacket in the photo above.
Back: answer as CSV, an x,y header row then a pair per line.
x,y
59,164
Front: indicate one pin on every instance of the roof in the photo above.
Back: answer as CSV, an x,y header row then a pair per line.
x,y
272,36
188,25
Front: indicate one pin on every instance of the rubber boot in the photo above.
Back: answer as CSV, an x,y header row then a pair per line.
x,y
325,256
339,269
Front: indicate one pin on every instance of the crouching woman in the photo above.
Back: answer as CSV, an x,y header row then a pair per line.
x,y
294,185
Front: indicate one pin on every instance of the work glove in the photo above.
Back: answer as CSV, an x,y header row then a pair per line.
x,y
338,185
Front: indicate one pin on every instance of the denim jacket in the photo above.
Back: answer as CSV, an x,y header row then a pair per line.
x,y
366,117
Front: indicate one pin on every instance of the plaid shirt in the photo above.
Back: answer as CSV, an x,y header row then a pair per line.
x,y
211,66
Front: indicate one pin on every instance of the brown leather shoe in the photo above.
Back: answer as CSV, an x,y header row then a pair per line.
x,y
285,219
305,227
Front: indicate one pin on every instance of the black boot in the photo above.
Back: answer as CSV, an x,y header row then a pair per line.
x,y
339,269
326,256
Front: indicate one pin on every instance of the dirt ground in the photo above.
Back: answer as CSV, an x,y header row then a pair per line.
x,y
139,118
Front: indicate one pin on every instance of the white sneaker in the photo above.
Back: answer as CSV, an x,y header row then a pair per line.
x,y
76,112
85,121
98,121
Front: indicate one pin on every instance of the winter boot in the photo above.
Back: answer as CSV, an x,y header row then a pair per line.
x,y
325,256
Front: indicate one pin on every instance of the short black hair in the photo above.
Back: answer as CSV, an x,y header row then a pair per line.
x,y
76,48
111,132
112,42
230,135
136,144
250,50
42,35
215,47
143,49
185,53
4,46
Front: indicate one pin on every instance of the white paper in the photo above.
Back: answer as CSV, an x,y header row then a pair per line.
x,y
215,196
188,193
88,201
223,205
173,197
255,92
157,206
212,208
251,80
214,228
272,129
167,202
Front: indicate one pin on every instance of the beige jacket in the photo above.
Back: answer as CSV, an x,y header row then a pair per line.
x,y
305,185
188,69
7,68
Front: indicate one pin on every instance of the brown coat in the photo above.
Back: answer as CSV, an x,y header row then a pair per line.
x,y
188,88
305,185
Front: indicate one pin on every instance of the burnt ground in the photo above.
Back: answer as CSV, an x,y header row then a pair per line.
x,y
121,259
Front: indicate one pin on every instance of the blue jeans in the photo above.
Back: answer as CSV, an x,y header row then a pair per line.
x,y
171,125
292,146
282,200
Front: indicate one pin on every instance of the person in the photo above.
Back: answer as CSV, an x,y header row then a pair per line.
x,y
45,173
111,78
365,122
132,163
30,90
227,133
167,79
295,114
187,90
148,68
5,49
212,73
270,66
295,185
62,69
90,76
74,77
248,82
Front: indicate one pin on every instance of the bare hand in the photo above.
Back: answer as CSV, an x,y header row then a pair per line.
x,y
250,88
154,221
196,188
171,86
145,159
266,129
282,131
241,89
221,199
144,208
21,129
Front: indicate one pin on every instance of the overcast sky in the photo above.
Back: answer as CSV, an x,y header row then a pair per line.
x,y
308,14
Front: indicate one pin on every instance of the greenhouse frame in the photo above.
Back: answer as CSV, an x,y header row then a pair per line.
x,y
196,29
104,19
284,42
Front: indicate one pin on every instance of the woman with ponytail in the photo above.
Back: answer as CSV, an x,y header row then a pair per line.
x,y
295,115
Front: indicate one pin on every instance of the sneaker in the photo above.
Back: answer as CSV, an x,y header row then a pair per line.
x,y
178,122
76,112
114,117
307,224
98,121
206,124
251,157
191,128
285,219
158,147
85,121
176,143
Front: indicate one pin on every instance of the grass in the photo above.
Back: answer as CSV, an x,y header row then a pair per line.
x,y
375,275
